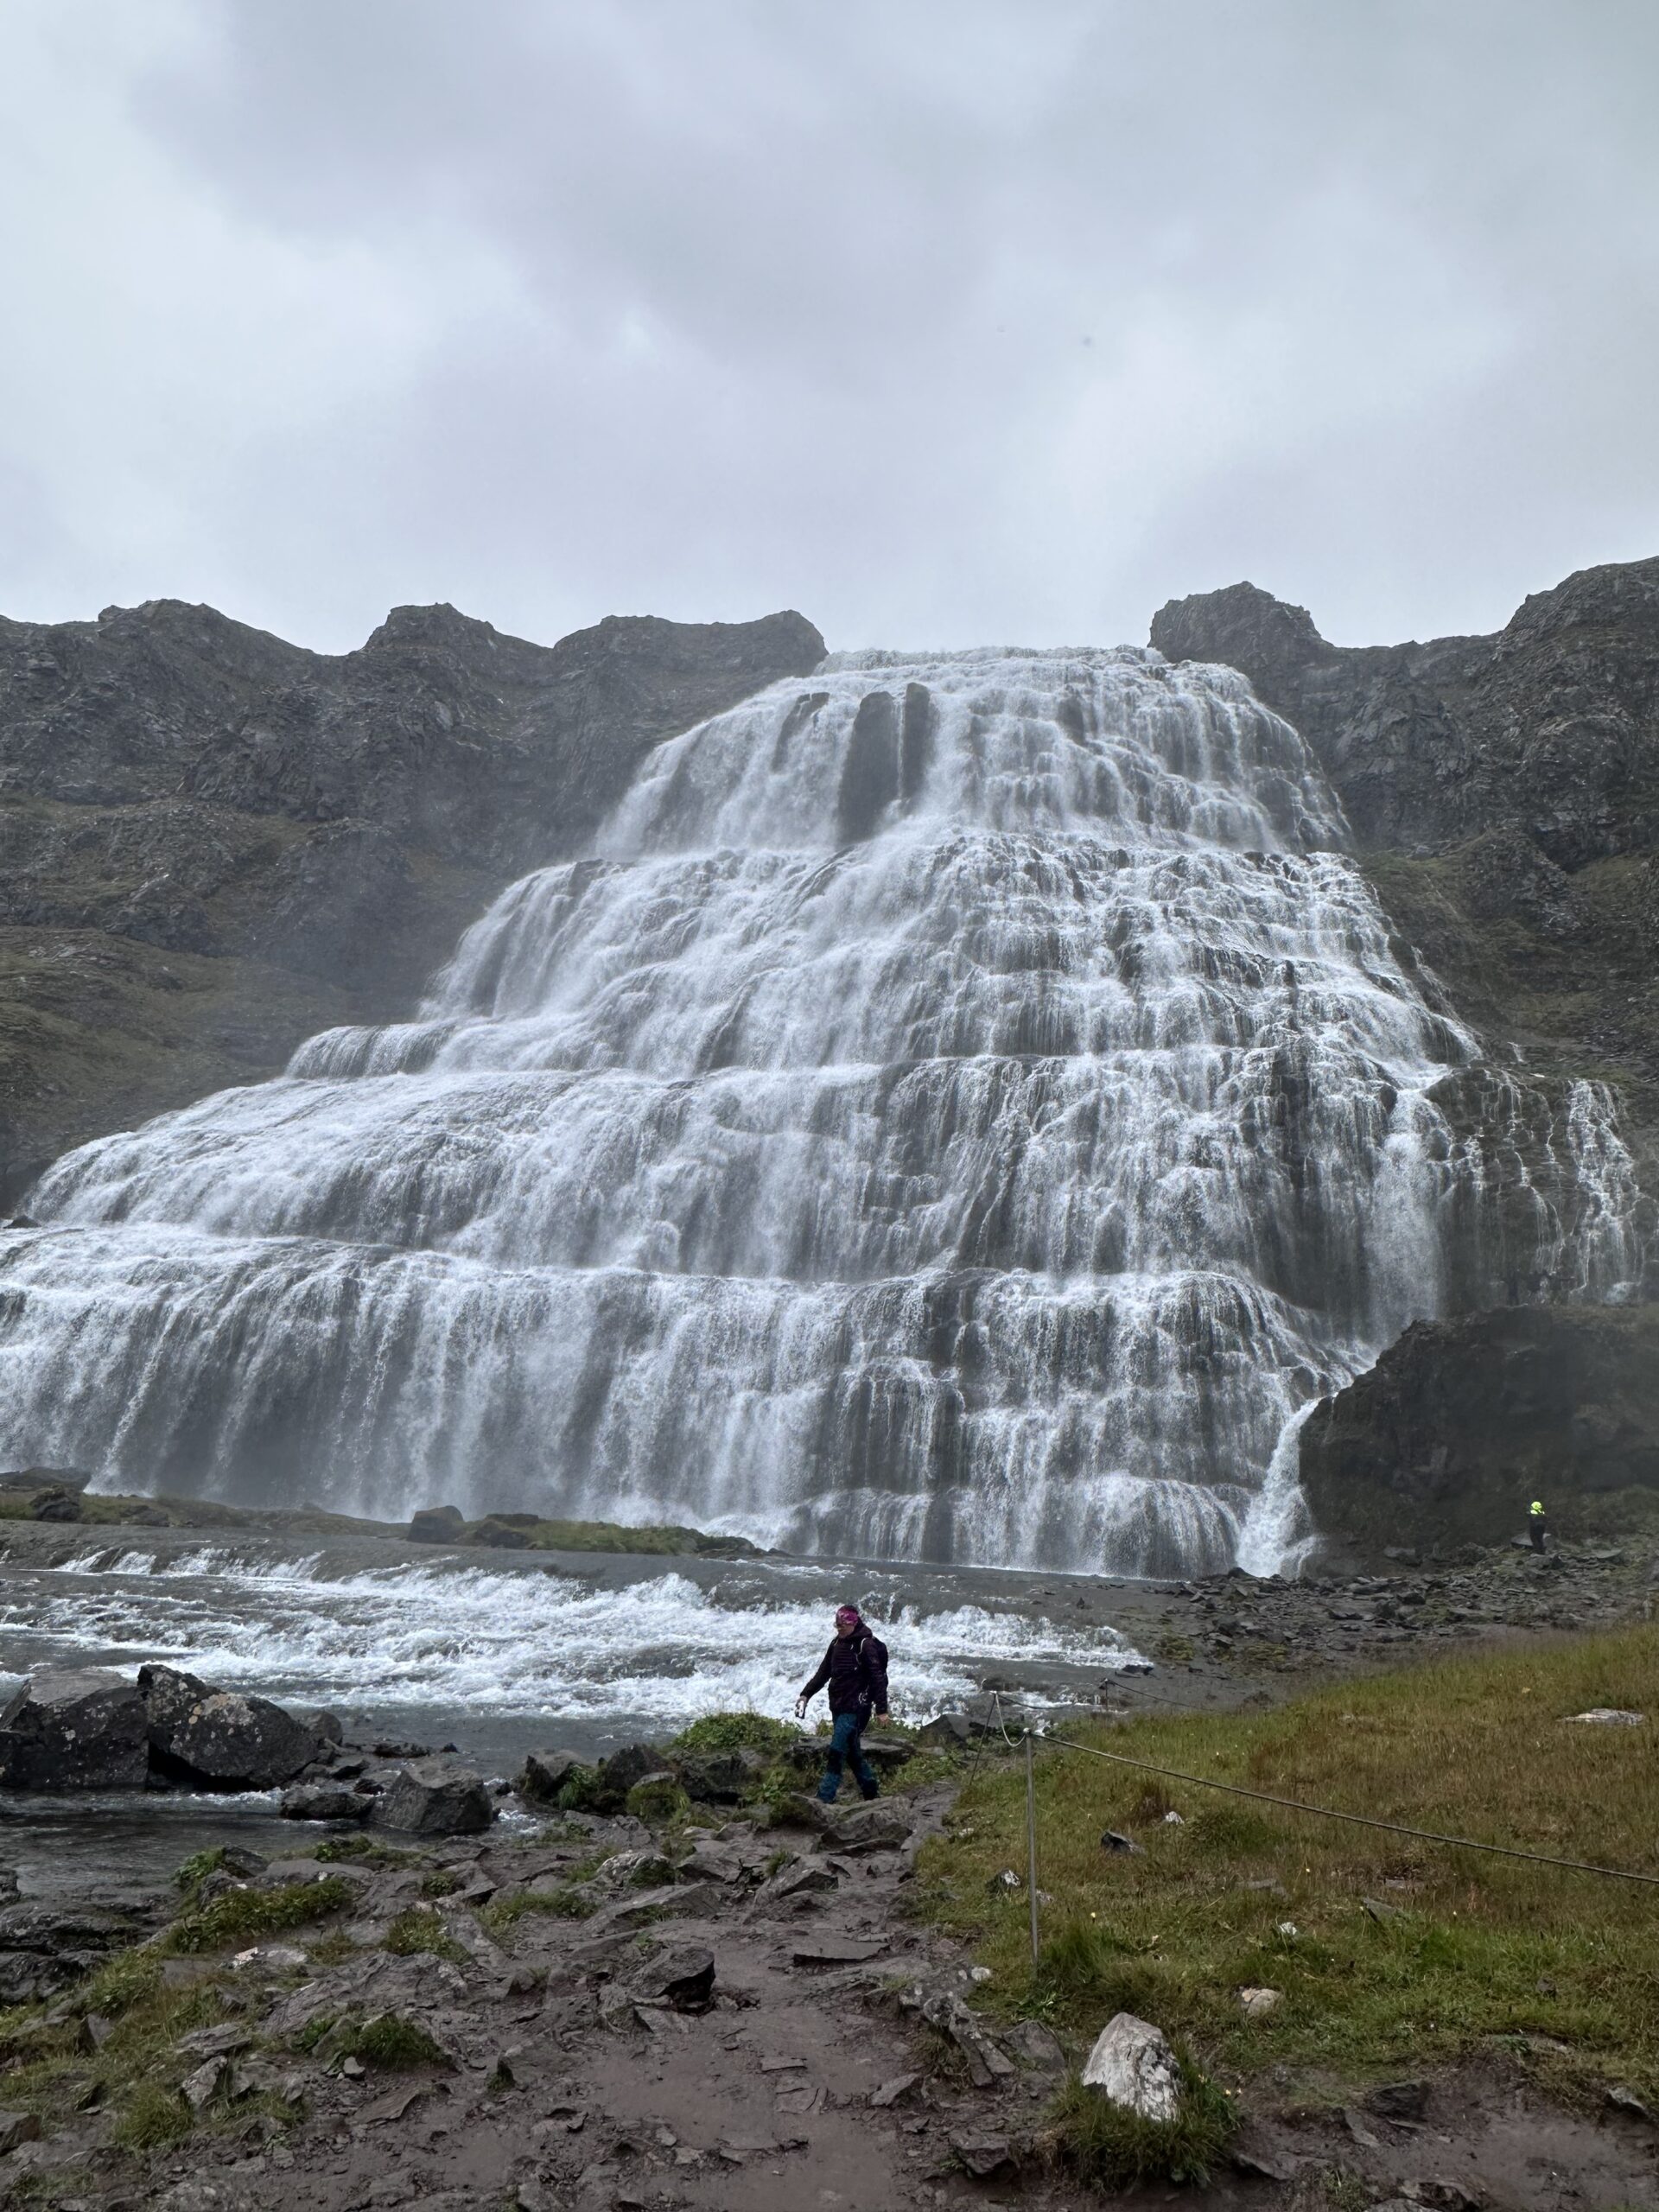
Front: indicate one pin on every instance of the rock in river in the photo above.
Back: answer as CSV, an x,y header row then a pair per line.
x,y
435,1796
220,1739
80,1730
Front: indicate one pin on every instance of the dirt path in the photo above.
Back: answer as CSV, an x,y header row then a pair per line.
x,y
766,2032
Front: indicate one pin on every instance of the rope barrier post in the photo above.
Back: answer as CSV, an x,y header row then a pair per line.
x,y
1030,1843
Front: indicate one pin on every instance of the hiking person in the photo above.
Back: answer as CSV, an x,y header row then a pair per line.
x,y
855,1668
1537,1523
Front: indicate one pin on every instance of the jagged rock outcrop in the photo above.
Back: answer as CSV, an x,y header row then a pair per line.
x,y
213,843
1550,728
1462,1422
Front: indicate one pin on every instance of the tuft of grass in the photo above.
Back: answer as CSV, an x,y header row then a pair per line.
x,y
243,1916
190,1876
1468,1954
565,1903
152,2118
735,1731
341,1847
1109,2147
132,1979
394,2043
420,1929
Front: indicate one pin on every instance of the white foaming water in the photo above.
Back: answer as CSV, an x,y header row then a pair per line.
x,y
965,1109
659,1651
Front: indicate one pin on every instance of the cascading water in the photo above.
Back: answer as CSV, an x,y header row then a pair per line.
x,y
965,1109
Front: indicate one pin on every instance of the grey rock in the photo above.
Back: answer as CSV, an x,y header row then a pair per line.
x,y
435,1796
983,2155
713,1777
836,1950
16,2128
545,1773
437,1524
1132,2065
54,1505
220,1739
631,1763
682,1975
84,1729
324,1801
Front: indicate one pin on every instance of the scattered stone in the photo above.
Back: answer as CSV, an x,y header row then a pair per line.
x,y
435,1796
1173,1820
1007,1883
269,1958
946,1732
54,1505
1036,2046
682,1976
501,1535
437,1524
545,1773
1380,1911
1259,2160
1607,1716
647,1904
1132,2065
78,1729
219,1739
1258,2003
983,2155
713,1777
867,1827
324,1801
200,2088
1626,2101
1406,2100
1357,2129
713,1862
945,2010
803,1877
1114,1842
17,2128
837,1950
890,2092
618,1773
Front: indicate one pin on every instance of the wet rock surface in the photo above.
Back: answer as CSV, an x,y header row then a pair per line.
x,y
1462,1422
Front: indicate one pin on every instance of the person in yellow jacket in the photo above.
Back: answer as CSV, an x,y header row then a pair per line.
x,y
1537,1523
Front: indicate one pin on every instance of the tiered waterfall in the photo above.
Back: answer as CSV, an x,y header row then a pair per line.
x,y
964,1109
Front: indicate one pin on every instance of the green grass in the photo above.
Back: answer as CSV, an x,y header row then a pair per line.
x,y
420,1929
152,2117
1476,1954
242,1915
1110,2148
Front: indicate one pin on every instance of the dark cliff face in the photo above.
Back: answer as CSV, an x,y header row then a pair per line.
x,y
1461,1423
1549,729
212,842
1505,797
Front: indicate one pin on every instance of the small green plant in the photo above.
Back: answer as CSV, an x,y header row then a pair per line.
x,y
658,1799
151,2118
565,1903
242,1915
1110,2147
735,1731
391,2042
420,1929
130,1979
197,1867
340,1847
440,1884
582,1792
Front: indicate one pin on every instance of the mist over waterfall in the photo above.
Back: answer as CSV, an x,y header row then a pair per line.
x,y
965,1109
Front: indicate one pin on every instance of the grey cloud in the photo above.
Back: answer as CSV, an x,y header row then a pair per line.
x,y
946,322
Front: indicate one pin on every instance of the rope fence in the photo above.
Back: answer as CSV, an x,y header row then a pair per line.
x,y
1029,1738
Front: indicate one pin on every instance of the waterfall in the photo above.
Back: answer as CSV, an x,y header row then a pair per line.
x,y
965,1108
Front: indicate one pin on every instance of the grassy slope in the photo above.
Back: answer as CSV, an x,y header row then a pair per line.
x,y
1562,1967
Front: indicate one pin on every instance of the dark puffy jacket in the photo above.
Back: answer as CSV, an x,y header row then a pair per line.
x,y
855,1668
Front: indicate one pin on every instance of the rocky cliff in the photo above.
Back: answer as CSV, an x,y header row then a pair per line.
x,y
1505,794
1462,1422
213,843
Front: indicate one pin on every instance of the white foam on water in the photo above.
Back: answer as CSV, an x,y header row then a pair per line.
x,y
660,1649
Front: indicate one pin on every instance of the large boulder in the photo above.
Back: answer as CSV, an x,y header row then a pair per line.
x,y
435,1796
220,1739
437,1524
79,1729
1462,1422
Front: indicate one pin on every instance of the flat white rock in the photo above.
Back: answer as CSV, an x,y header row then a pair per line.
x,y
1608,1716
1132,2064
1258,2003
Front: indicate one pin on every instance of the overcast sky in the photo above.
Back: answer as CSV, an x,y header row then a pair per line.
x,y
947,324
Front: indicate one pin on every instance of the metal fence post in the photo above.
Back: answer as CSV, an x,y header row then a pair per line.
x,y
1030,1843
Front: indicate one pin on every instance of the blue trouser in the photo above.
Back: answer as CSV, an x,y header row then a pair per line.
x,y
843,1747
